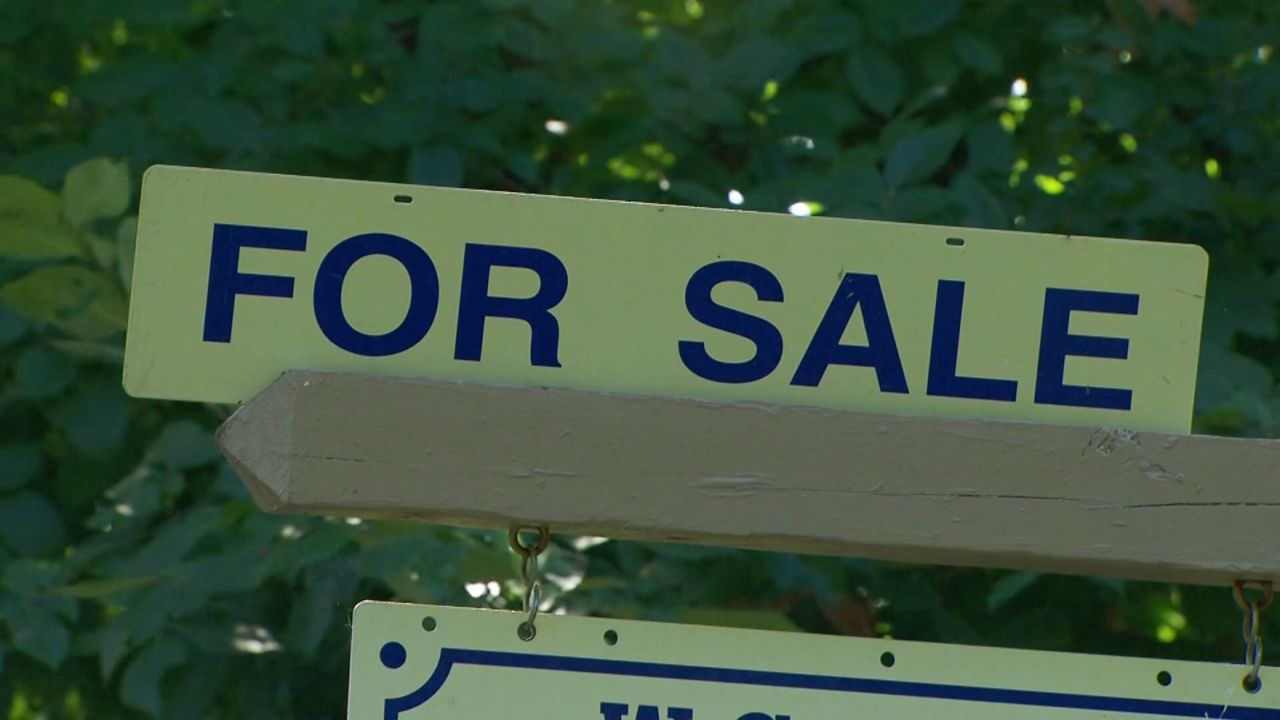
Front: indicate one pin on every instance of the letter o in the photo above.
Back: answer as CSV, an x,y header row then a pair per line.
x,y
424,298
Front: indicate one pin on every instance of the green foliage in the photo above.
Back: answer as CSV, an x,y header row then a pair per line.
x,y
137,579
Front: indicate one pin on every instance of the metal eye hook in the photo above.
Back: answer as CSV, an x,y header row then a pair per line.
x,y
1250,631
529,574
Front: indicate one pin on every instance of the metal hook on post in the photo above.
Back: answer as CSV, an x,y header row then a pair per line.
x,y
1252,609
529,574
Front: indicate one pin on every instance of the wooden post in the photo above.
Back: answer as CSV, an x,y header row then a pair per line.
x,y
1183,508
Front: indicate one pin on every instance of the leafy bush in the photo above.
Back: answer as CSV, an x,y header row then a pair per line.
x,y
136,577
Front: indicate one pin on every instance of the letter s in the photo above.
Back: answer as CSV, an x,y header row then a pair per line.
x,y
766,337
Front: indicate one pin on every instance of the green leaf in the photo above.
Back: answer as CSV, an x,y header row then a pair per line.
x,y
911,18
104,588
696,194
435,165
105,352
30,524
989,147
977,53
30,578
138,498
184,445
1241,299
1230,381
12,325
481,563
94,417
1009,587
80,301
752,619
875,79
140,684
312,615
95,189
826,30
31,226
19,464
919,155
169,544
39,373
126,244
36,631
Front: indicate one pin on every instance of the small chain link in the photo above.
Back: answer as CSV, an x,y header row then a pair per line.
x,y
529,574
1251,632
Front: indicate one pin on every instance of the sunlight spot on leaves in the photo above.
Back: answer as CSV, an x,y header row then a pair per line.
x,y
805,208
657,152
254,639
799,141
86,61
586,542
1050,185
770,91
1015,173
1174,619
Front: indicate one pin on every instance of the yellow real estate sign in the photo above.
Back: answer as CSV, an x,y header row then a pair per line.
x,y
411,662
240,276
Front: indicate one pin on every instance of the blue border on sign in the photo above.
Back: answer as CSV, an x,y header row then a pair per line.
x,y
451,657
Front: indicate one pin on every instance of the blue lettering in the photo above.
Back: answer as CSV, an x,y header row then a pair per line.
x,y
226,281
614,711
766,337
424,297
476,304
1056,343
763,716
881,350
618,711
945,348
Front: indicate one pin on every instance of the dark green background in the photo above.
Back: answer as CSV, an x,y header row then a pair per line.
x,y
137,579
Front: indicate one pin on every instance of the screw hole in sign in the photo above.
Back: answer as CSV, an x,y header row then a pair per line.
x,y
428,623
1251,683
955,242
403,199
610,637
887,659
1164,678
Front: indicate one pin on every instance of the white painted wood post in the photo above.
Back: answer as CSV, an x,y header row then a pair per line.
x,y
1191,509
